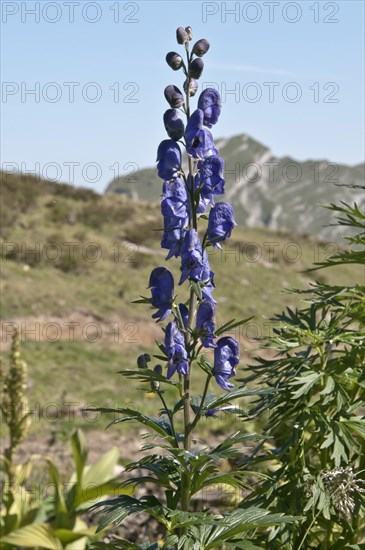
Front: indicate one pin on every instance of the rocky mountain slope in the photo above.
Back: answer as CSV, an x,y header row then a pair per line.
x,y
266,191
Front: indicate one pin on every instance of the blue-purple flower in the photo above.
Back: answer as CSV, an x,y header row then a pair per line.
x,y
211,180
162,290
173,236
174,124
176,352
210,103
199,140
205,324
220,223
208,288
169,159
226,358
193,261
175,200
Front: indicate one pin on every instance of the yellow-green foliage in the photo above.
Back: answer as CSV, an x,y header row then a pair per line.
x,y
13,397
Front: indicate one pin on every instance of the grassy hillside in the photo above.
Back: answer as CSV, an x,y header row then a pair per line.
x,y
73,261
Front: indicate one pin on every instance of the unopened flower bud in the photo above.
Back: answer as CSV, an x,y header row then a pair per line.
x,y
189,32
193,86
155,384
174,124
142,361
181,36
201,47
173,96
196,68
174,60
158,369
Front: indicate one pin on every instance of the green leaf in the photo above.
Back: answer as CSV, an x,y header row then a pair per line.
x,y
66,536
306,382
142,300
205,365
329,387
93,493
102,470
148,375
124,506
196,289
215,402
159,426
122,544
240,521
80,452
32,536
227,327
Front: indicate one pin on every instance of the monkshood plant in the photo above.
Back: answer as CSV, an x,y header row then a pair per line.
x,y
182,469
316,459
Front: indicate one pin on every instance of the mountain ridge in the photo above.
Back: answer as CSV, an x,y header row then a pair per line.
x,y
279,193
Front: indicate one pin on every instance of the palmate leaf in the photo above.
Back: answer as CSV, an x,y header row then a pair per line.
x,y
158,426
231,325
227,448
228,531
213,401
180,519
240,521
117,510
306,383
234,479
166,469
148,375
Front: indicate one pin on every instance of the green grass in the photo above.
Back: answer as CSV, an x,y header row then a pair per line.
x,y
38,290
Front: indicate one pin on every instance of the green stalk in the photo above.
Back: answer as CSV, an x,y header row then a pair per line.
x,y
170,417
185,477
199,413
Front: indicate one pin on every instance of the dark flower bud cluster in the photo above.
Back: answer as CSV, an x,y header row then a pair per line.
x,y
193,69
185,196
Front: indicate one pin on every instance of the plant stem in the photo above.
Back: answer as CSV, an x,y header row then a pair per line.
x,y
187,430
201,405
170,418
185,477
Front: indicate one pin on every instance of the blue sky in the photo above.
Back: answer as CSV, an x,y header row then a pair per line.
x,y
294,69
